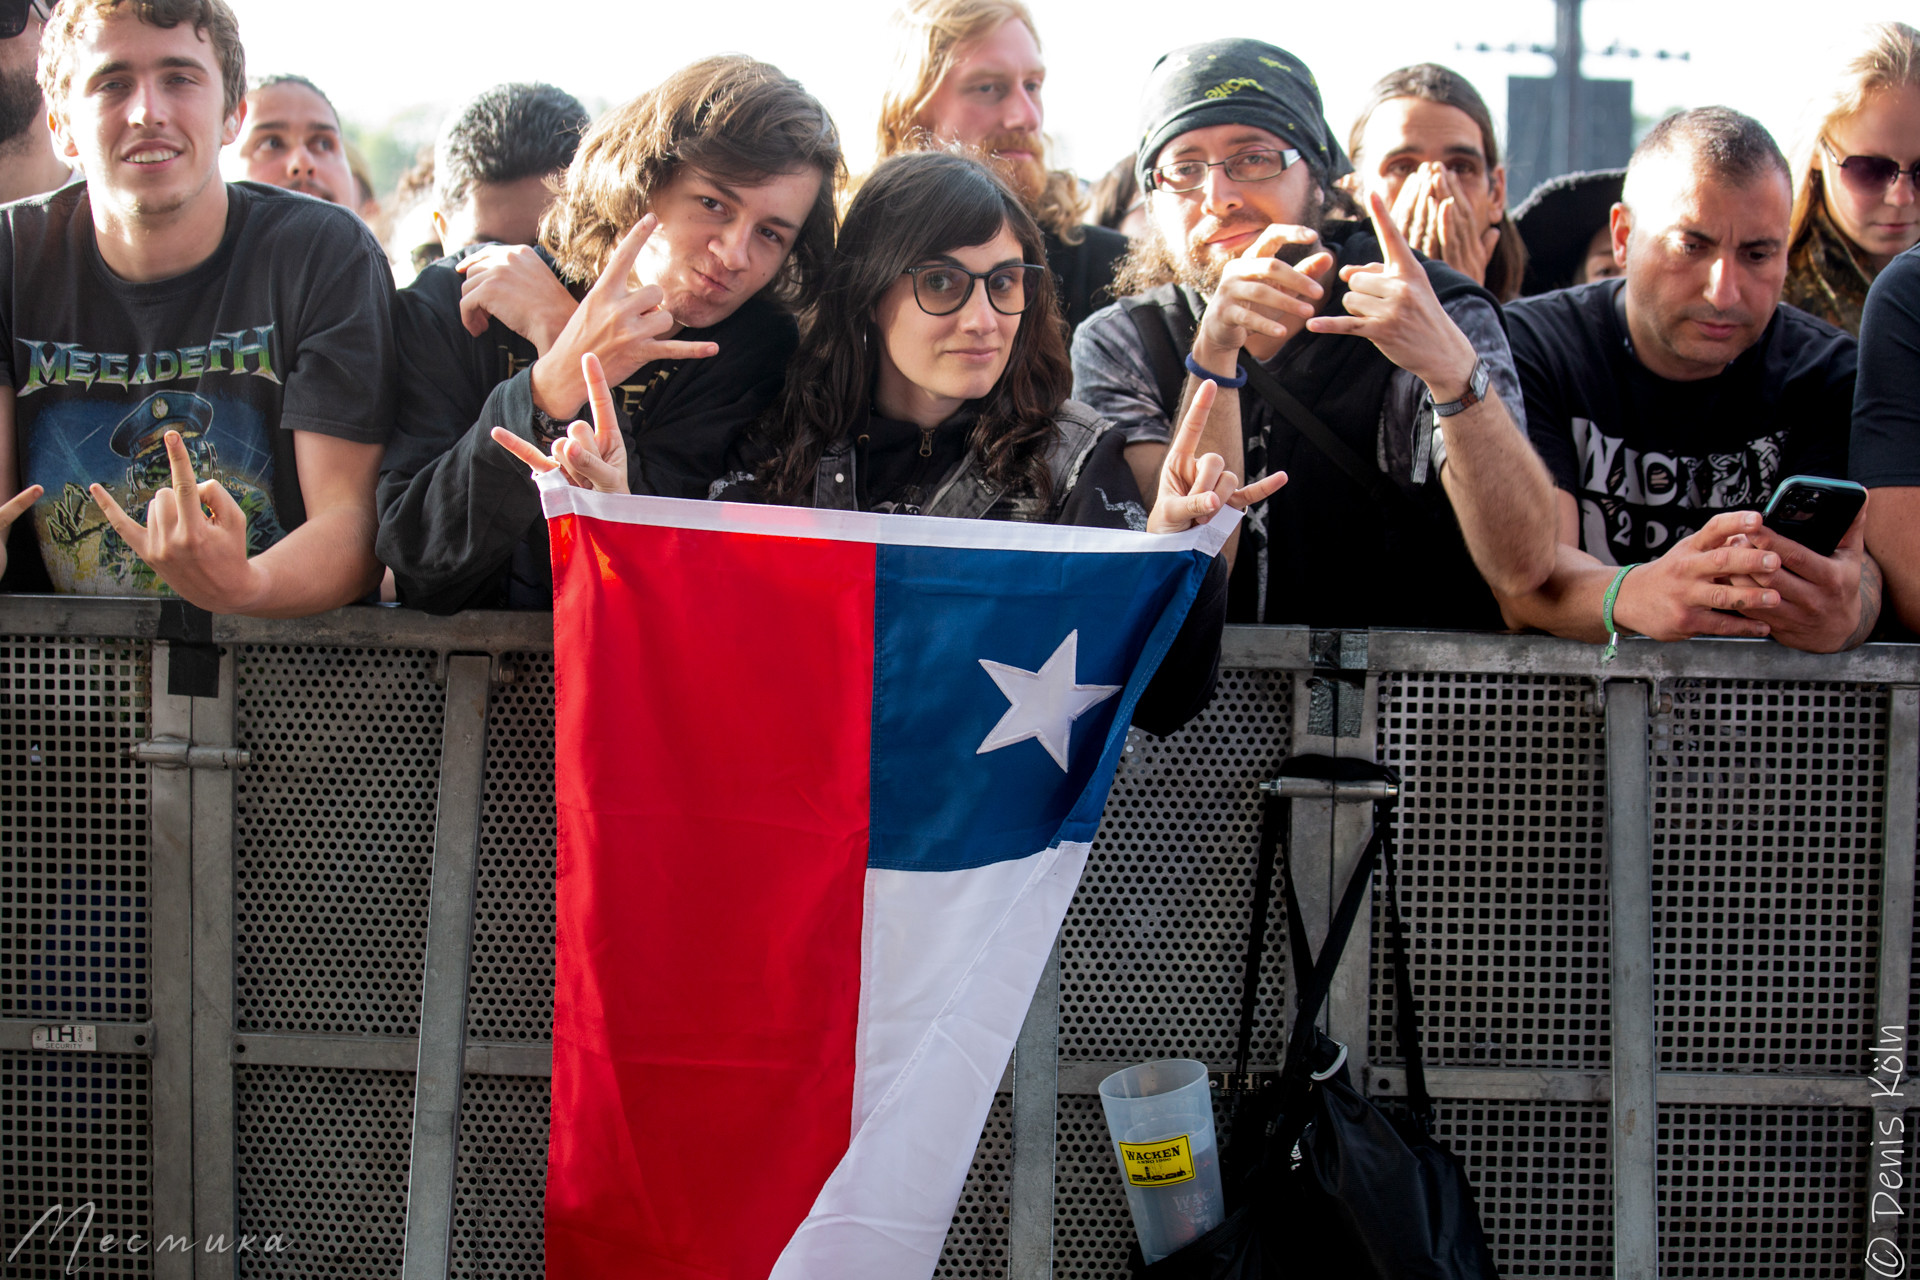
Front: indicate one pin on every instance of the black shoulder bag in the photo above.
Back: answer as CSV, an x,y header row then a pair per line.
x,y
1327,1184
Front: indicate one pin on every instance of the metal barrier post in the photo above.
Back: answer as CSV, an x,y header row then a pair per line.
x,y
214,1207
1036,1110
1337,715
443,996
170,819
1635,1133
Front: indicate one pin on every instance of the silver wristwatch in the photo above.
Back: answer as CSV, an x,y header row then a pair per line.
x,y
1475,393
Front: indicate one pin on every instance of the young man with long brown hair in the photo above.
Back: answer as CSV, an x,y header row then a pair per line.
x,y
689,220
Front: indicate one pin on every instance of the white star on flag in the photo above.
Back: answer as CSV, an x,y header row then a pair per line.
x,y
1045,703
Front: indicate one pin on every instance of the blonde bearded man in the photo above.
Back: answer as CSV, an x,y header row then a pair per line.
x,y
970,72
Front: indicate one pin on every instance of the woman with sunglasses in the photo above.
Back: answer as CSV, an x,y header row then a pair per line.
x,y
1857,204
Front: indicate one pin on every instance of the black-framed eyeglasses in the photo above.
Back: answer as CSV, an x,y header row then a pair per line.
x,y
942,288
1871,176
1248,166
13,15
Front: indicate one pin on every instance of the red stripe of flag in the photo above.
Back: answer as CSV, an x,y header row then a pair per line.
x,y
711,778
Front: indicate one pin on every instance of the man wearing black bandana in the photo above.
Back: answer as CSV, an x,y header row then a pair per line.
x,y
1380,382
28,164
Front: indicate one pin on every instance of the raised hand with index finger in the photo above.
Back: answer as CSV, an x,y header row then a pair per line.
x,y
1262,301
1392,304
1195,487
590,457
621,321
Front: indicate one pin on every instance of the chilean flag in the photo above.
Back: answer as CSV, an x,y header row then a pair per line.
x,y
826,783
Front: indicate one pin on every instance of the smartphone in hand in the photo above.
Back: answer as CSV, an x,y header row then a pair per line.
x,y
1814,511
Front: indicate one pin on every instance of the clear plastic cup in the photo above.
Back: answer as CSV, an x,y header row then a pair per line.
x,y
1161,1117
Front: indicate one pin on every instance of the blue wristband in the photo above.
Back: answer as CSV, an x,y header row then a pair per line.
x,y
1225,384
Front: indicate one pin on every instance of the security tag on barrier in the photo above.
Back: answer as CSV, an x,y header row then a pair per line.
x,y
70,1038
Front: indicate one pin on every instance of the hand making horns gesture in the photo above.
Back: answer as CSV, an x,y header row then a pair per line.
x,y
590,457
1392,304
195,537
1193,489
621,321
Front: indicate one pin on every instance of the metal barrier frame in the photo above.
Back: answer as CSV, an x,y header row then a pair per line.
x,y
194,1047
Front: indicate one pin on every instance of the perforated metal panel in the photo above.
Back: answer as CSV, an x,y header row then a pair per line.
x,y
74,1133
510,994
976,1247
1762,1192
500,1184
333,837
1766,848
73,830
1091,1227
1153,949
1501,841
322,1162
1540,1175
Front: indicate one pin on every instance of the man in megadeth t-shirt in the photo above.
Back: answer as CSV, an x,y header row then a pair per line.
x,y
198,375
1669,403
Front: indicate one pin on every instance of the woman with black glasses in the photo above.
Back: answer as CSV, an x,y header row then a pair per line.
x,y
933,379
1857,203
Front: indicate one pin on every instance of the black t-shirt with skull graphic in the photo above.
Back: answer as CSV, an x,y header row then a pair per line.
x,y
1650,460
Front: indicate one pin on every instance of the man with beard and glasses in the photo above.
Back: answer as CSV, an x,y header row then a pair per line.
x,y
1381,383
1670,402
970,72
28,163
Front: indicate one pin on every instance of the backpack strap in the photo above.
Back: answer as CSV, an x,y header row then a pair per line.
x,y
1166,334
1304,420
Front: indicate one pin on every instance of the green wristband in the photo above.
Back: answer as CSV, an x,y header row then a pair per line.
x,y
1606,614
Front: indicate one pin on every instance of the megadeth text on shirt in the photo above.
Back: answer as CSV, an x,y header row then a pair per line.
x,y
56,364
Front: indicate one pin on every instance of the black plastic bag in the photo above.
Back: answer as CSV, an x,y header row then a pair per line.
x,y
1331,1186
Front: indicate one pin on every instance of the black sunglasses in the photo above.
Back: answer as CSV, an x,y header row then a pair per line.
x,y
1871,175
942,290
13,15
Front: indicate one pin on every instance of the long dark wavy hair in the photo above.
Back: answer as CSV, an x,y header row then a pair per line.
x,y
914,207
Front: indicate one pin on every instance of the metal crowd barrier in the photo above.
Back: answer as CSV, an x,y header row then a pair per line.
x,y
276,926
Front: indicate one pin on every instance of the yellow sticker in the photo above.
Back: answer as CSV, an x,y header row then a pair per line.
x,y
1157,1164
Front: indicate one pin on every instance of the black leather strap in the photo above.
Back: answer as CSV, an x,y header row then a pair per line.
x,y
1321,437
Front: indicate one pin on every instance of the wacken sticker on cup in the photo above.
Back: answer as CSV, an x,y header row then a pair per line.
x,y
1158,1164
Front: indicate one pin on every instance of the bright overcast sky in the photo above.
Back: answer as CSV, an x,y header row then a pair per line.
x,y
410,57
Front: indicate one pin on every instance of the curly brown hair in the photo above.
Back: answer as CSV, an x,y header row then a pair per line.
x,y
914,207
211,19
732,119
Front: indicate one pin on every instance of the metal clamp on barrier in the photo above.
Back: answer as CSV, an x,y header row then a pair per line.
x,y
1326,789
177,753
